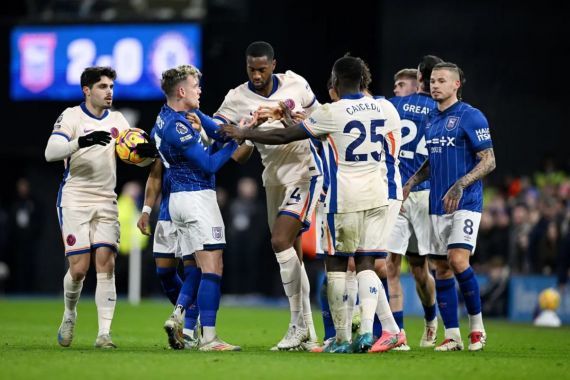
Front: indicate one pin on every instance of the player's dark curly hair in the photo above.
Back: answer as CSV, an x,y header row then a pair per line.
x,y
456,69
92,75
260,49
425,67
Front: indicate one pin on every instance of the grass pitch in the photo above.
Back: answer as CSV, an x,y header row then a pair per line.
x,y
29,349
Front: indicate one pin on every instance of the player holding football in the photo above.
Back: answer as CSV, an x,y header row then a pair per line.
x,y
357,199
292,179
460,155
193,206
86,202
410,235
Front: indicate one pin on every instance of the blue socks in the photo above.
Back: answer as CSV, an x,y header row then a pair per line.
x,y
193,274
328,323
470,290
209,298
446,295
189,288
170,281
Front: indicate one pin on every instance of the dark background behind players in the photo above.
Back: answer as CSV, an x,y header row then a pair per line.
x,y
512,54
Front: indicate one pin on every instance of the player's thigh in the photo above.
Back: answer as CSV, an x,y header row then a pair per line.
x,y
372,237
300,199
420,241
75,229
274,196
345,230
105,229
464,230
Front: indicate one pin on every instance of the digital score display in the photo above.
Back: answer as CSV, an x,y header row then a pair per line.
x,y
47,61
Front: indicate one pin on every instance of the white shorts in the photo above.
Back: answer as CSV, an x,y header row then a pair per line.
x,y
412,230
198,220
297,199
321,225
357,232
166,244
394,207
87,228
457,230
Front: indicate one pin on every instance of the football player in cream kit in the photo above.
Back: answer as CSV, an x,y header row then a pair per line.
x,y
357,199
292,178
86,201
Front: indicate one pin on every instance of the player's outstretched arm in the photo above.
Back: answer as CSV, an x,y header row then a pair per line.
x,y
151,192
210,126
485,166
59,148
272,137
209,163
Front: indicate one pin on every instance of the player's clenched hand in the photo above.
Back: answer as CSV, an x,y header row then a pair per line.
x,y
97,137
228,130
194,120
146,150
269,113
452,198
143,224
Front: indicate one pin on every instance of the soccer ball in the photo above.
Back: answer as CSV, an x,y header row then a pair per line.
x,y
549,299
125,146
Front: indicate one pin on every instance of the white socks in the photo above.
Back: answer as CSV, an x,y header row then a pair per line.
x,y
71,293
476,322
336,292
369,286
307,313
385,313
105,299
352,292
290,268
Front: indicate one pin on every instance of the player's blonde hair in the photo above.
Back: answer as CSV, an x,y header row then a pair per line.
x,y
406,74
171,77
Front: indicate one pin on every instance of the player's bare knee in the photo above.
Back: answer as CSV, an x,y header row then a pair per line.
x,y
393,266
442,269
458,263
380,267
280,243
364,263
336,263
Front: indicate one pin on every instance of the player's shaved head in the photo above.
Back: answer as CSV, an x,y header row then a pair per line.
x,y
172,77
456,73
260,49
348,72
92,75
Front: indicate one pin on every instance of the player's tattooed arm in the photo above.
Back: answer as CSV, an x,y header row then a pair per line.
x,y
485,165
421,175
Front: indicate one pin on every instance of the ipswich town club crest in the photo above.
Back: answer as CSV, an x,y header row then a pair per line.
x,y
217,233
452,122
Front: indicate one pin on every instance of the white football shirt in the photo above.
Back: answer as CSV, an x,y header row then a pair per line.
x,y
355,129
90,173
287,163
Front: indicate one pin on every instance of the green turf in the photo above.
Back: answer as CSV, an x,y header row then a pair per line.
x,y
28,349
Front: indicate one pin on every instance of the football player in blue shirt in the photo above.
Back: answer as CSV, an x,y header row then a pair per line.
x,y
460,155
410,235
193,207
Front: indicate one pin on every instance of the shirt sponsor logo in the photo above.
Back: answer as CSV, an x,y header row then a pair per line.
x,y
181,128
483,134
452,122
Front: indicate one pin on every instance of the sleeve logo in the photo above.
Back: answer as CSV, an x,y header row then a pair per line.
x,y
483,134
181,128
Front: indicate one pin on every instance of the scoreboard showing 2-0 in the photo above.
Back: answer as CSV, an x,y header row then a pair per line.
x,y
47,61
